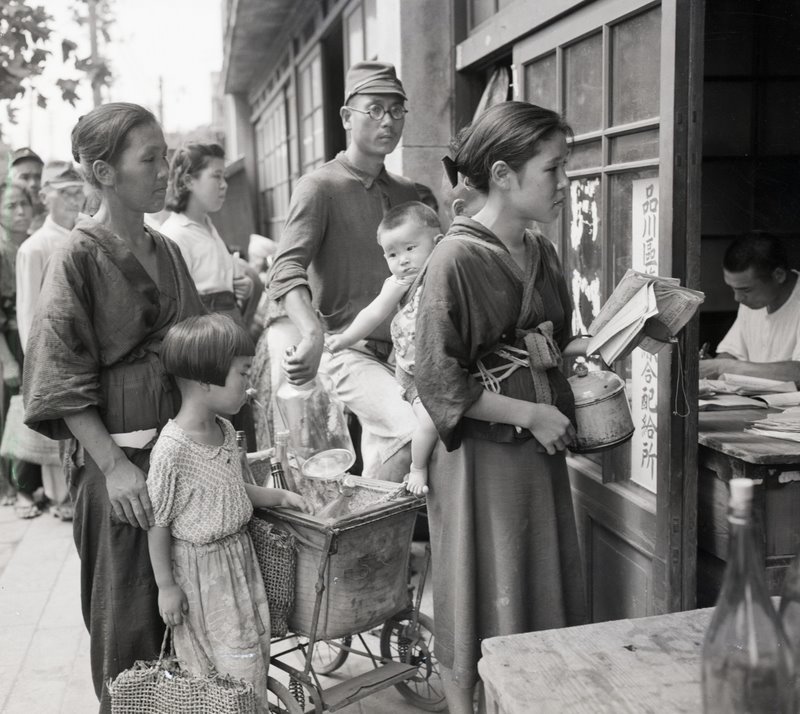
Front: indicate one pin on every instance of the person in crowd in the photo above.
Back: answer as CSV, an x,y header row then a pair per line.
x,y
329,267
23,479
407,235
764,341
62,195
93,373
197,187
26,167
502,527
209,583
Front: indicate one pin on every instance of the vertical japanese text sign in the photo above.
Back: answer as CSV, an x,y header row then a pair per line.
x,y
644,366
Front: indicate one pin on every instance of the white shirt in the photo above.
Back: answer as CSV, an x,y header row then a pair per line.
x,y
759,336
210,263
32,258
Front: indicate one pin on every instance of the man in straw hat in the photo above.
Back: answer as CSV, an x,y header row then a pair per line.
x,y
329,266
63,197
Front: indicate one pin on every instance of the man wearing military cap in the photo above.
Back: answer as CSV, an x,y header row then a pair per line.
x,y
25,166
62,196
329,266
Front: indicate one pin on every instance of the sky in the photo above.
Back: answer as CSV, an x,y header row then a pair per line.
x,y
177,40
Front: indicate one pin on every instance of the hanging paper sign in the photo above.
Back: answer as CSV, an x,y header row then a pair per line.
x,y
644,366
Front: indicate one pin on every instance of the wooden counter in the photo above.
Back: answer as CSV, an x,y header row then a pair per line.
x,y
726,451
651,664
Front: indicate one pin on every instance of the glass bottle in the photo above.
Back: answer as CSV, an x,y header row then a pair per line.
x,y
790,617
241,444
318,433
341,505
747,664
282,461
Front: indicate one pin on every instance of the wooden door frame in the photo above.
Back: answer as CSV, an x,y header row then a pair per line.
x,y
679,231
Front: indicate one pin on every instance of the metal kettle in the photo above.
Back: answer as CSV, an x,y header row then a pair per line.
x,y
602,413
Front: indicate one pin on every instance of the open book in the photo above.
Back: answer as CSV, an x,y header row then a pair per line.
x,y
619,325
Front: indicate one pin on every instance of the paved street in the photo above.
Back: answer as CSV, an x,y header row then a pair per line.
x,y
44,647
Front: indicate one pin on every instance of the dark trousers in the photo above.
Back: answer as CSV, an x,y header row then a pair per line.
x,y
119,596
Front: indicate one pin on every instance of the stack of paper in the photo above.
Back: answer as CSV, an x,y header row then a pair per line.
x,y
742,384
619,326
785,425
720,402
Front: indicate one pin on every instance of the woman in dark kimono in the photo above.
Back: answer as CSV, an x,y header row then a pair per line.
x,y
494,317
92,372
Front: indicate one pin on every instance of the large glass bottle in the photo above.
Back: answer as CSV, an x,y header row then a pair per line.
x,y
790,618
279,466
747,662
318,433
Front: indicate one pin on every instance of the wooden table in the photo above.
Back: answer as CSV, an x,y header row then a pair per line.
x,y
727,451
651,664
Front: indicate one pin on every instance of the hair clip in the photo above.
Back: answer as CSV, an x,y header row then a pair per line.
x,y
451,169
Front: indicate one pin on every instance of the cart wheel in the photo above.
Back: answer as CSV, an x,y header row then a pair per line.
x,y
400,643
279,699
327,657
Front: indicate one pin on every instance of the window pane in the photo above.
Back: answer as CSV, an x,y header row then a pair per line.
x,y
585,156
634,147
583,262
540,82
620,216
635,67
480,10
583,80
371,34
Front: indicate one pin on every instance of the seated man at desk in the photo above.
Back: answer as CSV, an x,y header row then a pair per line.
x,y
764,341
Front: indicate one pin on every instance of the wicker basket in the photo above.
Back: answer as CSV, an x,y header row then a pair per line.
x,y
276,551
363,556
164,685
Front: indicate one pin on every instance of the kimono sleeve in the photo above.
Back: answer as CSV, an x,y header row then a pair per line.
x,y
444,347
162,485
62,362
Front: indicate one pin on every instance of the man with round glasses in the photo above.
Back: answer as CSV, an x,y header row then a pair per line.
x,y
329,266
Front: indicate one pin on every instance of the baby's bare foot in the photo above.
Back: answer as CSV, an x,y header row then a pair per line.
x,y
417,481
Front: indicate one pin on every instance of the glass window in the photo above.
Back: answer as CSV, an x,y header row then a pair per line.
x,y
312,142
634,147
480,11
636,67
540,81
354,36
583,74
273,166
585,155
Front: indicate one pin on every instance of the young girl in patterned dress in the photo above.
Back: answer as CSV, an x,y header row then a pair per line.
x,y
209,586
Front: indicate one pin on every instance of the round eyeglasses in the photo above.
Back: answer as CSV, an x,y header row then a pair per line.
x,y
378,111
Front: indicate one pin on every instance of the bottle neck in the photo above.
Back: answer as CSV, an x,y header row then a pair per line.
x,y
743,562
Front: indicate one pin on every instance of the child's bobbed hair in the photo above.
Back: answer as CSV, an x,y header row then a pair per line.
x,y
409,212
189,160
202,348
510,132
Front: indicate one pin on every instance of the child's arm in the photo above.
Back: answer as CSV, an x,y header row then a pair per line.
x,y
172,602
262,497
370,317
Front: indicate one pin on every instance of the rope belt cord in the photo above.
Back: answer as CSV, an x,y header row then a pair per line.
x,y
492,378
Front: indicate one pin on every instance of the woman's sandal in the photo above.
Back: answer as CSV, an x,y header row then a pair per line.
x,y
27,510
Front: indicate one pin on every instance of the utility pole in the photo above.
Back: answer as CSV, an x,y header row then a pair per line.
x,y
97,99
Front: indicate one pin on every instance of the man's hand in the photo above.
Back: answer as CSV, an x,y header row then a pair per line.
x,y
302,362
713,368
127,491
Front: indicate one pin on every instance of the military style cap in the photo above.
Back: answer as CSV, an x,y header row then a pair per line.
x,y
25,153
372,78
60,174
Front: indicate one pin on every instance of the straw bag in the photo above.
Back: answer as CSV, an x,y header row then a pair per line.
x,y
276,552
25,444
164,685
